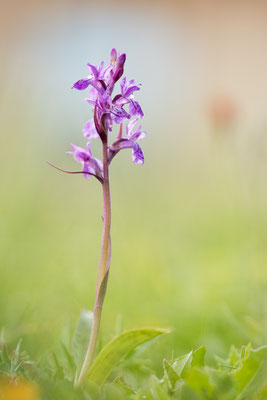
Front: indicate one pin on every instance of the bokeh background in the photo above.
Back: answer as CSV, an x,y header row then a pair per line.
x,y
189,229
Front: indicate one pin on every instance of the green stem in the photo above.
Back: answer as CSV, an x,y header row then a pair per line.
x,y
102,269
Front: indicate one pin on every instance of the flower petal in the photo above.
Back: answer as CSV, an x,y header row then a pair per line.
x,y
98,86
108,122
94,70
89,130
119,112
138,156
130,91
93,94
86,168
130,126
123,83
138,135
79,154
135,109
104,73
93,102
81,84
121,60
88,149
113,56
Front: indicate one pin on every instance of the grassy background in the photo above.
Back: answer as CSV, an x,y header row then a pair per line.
x,y
188,252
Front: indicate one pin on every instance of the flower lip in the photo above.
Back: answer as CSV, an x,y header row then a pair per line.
x,y
91,165
89,130
81,84
130,142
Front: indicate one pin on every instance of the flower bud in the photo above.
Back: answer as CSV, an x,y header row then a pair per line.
x,y
113,56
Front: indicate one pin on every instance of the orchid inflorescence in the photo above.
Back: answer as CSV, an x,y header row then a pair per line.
x,y
107,110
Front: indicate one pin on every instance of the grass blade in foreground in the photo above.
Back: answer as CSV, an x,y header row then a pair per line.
x,y
81,338
116,350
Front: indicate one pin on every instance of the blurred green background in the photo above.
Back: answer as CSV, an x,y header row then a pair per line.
x,y
189,229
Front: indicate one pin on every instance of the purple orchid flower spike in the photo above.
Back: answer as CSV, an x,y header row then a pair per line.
x,y
133,135
90,164
108,110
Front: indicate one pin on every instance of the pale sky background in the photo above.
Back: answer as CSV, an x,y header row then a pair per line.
x,y
186,54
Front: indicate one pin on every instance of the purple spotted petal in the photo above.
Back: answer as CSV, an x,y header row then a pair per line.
x,y
131,90
128,88
79,154
105,74
135,109
90,101
120,100
97,166
138,135
87,168
95,71
108,122
84,156
98,85
130,127
81,84
123,84
121,144
101,66
119,112
89,130
138,156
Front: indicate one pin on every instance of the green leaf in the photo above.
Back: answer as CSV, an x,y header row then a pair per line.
x,y
199,357
17,351
234,357
223,365
180,367
199,380
262,395
251,375
59,372
243,353
127,389
102,289
182,364
6,360
81,338
65,357
157,389
2,337
170,375
188,394
223,383
116,350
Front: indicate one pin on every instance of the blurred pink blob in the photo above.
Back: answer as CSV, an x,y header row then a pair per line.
x,y
222,112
